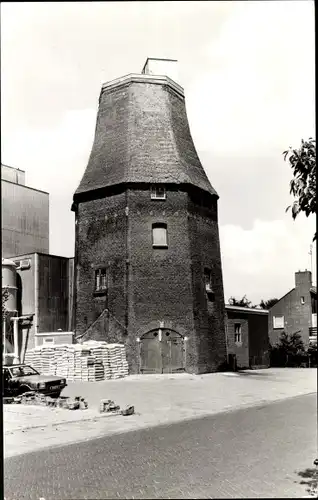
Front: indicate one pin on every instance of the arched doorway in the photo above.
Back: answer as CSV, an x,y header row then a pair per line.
x,y
162,351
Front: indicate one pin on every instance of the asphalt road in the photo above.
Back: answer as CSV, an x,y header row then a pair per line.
x,y
254,453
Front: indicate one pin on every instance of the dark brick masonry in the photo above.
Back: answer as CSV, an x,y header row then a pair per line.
x,y
143,139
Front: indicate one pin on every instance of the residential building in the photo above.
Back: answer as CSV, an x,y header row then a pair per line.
x,y
247,337
296,311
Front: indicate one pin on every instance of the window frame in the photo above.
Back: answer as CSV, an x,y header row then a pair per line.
x,y
238,334
154,195
159,225
99,273
275,327
208,284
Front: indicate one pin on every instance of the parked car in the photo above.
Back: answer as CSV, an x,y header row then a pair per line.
x,y
18,379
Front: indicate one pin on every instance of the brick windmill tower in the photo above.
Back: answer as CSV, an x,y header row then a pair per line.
x,y
147,253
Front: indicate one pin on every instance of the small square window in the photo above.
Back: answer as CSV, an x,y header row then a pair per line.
x,y
158,193
159,235
237,333
100,279
302,300
278,322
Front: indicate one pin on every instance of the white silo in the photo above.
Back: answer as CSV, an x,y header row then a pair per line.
x,y
9,283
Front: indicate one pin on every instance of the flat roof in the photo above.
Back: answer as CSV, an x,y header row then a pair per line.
x,y
39,253
246,309
13,168
25,187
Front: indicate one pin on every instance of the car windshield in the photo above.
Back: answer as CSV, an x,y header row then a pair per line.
x,y
23,371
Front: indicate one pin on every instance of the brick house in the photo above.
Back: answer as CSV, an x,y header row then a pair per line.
x,y
295,312
247,336
147,254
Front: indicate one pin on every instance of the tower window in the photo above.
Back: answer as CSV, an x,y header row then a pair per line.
x,y
302,300
159,235
158,193
100,279
208,279
208,284
237,333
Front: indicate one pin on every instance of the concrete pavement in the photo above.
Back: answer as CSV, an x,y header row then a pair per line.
x,y
258,452
157,400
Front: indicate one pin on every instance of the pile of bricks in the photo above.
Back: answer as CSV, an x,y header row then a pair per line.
x,y
39,399
88,362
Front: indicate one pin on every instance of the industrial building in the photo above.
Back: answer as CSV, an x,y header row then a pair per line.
x,y
296,311
25,215
148,267
39,308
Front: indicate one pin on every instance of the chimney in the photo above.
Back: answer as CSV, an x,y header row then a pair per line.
x,y
303,278
161,67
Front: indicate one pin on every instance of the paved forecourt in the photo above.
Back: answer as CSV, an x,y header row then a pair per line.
x,y
157,400
249,453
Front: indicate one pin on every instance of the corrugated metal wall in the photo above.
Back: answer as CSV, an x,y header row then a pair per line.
x,y
12,175
53,293
25,220
26,299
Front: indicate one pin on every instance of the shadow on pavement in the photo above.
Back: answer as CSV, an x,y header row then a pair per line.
x,y
251,374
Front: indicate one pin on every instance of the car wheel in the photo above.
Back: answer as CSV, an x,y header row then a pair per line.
x,y
56,395
24,388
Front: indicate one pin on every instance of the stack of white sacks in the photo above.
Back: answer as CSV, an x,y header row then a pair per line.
x,y
88,362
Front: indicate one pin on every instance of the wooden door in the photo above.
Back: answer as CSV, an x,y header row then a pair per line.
x,y
150,353
172,352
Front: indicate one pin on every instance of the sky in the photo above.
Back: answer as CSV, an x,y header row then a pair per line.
x,y
247,69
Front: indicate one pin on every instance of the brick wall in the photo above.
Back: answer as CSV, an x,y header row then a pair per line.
x,y
151,285
297,316
100,242
253,351
241,350
160,278
258,339
205,253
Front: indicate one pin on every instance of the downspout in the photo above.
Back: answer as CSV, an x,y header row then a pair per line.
x,y
16,339
4,336
75,274
36,296
127,270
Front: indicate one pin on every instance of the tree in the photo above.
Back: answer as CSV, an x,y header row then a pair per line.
x,y
303,185
243,302
267,304
289,351
312,354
